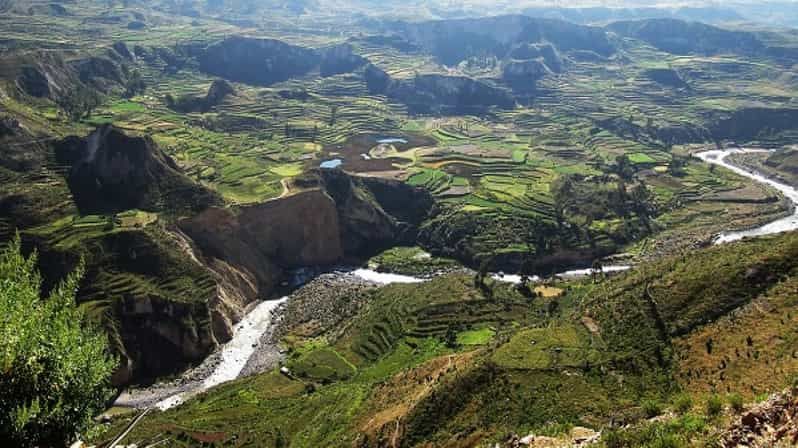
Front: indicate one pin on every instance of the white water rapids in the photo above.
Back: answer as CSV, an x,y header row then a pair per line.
x,y
234,354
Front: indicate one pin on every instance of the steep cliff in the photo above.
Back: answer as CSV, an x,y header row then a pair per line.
x,y
339,59
168,294
111,171
217,92
335,217
257,61
156,303
59,75
758,123
426,94
452,41
680,37
268,61
264,239
375,213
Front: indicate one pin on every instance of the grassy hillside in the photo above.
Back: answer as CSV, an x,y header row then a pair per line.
x,y
546,145
603,352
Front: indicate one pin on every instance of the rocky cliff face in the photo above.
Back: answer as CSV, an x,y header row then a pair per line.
x,y
111,172
527,48
217,92
762,124
523,75
337,216
340,59
257,61
426,94
157,304
545,53
674,134
53,76
21,150
268,61
168,294
452,41
43,75
679,37
374,213
265,239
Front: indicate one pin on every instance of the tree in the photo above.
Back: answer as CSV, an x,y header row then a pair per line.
x,y
333,114
641,203
597,270
479,277
135,85
79,103
623,167
677,166
54,365
450,339
562,190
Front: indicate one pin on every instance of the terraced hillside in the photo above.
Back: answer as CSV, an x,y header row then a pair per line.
x,y
193,153
444,362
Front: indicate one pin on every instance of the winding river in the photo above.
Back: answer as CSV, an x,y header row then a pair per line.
x,y
229,361
718,157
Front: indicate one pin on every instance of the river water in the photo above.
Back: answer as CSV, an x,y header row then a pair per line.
x,y
718,157
228,363
233,355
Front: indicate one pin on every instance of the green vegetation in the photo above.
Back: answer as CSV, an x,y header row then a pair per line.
x,y
321,365
412,261
595,161
680,432
735,402
54,364
544,348
714,406
475,337
603,353
651,408
683,403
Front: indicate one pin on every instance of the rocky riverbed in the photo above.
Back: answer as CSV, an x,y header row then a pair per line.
x,y
311,310
323,301
223,365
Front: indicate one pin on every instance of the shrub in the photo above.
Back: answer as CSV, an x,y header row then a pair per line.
x,y
667,441
651,408
714,406
655,435
613,438
683,403
54,366
736,402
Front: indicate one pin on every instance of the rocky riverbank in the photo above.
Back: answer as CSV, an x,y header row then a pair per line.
x,y
223,365
310,311
321,304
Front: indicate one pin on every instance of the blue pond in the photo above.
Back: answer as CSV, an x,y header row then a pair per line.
x,y
330,164
389,140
